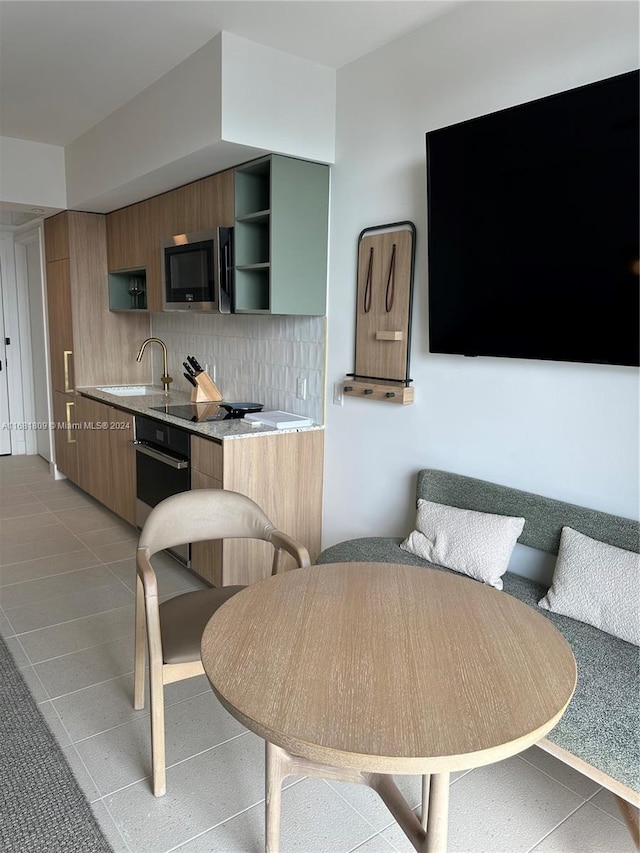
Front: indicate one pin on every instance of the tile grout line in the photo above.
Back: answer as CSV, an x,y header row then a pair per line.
x,y
42,578
619,820
53,599
227,820
359,813
114,823
557,826
76,651
110,642
549,776
69,621
147,776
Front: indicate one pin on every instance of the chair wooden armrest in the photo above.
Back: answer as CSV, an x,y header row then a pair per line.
x,y
283,542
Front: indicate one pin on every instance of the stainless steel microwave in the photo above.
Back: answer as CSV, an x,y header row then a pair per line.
x,y
197,271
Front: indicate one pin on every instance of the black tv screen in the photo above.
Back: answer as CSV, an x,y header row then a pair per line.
x,y
533,224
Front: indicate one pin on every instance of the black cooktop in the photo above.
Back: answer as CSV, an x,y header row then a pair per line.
x,y
200,412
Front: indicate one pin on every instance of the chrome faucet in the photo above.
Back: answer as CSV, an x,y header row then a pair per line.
x,y
165,378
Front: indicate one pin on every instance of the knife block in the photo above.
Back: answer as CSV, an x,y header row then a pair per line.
x,y
206,390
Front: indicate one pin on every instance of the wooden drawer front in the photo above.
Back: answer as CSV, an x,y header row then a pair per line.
x,y
206,457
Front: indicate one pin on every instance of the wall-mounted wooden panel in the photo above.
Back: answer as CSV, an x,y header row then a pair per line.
x,y
383,307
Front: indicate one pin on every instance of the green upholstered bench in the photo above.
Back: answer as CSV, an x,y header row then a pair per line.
x,y
599,734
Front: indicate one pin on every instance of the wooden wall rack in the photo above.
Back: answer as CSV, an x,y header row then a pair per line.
x,y
385,271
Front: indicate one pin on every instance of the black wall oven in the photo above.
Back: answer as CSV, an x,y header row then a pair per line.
x,y
162,470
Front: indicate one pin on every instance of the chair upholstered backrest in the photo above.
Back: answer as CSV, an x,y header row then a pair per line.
x,y
203,514
544,517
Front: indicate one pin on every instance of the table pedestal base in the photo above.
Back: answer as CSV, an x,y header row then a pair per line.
x,y
428,835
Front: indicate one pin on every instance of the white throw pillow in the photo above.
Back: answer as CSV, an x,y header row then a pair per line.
x,y
598,584
478,544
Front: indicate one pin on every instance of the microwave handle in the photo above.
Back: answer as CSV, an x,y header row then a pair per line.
x,y
224,271
226,266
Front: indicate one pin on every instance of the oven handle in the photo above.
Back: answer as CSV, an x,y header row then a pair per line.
x,y
172,461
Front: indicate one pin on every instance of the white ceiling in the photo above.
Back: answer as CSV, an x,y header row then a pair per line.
x,y
67,64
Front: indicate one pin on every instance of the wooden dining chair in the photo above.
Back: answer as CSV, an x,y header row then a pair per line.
x,y
172,631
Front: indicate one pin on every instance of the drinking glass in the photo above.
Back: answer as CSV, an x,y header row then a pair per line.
x,y
136,287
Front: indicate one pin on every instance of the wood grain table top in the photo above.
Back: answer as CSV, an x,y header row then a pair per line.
x,y
388,668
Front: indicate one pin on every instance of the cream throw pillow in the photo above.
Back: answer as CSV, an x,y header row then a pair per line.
x,y
598,584
478,544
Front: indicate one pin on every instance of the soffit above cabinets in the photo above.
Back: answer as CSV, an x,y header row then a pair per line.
x,y
229,102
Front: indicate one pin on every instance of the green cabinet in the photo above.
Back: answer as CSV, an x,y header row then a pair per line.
x,y
281,234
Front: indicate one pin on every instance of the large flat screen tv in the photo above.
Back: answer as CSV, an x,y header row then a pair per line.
x,y
533,223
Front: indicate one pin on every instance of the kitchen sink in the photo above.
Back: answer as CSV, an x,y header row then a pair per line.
x,y
130,390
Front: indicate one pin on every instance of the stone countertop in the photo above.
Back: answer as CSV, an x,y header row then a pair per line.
x,y
217,430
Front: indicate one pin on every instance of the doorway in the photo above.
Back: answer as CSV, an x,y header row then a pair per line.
x,y
33,340
23,352
5,425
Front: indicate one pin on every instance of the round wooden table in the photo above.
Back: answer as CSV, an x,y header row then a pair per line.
x,y
356,671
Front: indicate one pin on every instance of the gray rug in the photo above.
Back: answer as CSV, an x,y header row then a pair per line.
x,y
42,809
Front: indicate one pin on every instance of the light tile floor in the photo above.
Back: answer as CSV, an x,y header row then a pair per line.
x,y
66,610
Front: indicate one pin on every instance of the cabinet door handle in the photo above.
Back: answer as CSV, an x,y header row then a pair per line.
x,y
69,428
67,386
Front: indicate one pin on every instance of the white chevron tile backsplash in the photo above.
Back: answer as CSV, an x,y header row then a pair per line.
x,y
256,358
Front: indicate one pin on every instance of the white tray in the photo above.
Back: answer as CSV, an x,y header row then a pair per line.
x,y
279,420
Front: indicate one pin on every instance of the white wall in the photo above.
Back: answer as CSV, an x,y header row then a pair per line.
x,y
565,430
32,173
277,101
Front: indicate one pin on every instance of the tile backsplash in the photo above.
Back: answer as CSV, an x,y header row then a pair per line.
x,y
255,358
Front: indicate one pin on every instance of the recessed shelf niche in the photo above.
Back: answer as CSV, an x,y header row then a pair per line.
x,y
128,290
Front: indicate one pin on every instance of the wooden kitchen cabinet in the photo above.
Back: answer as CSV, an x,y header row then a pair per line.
x,y
135,233
133,237
125,247
56,238
282,473
123,464
156,222
60,317
279,207
203,205
207,557
126,259
94,455
65,434
106,456
281,236
88,344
